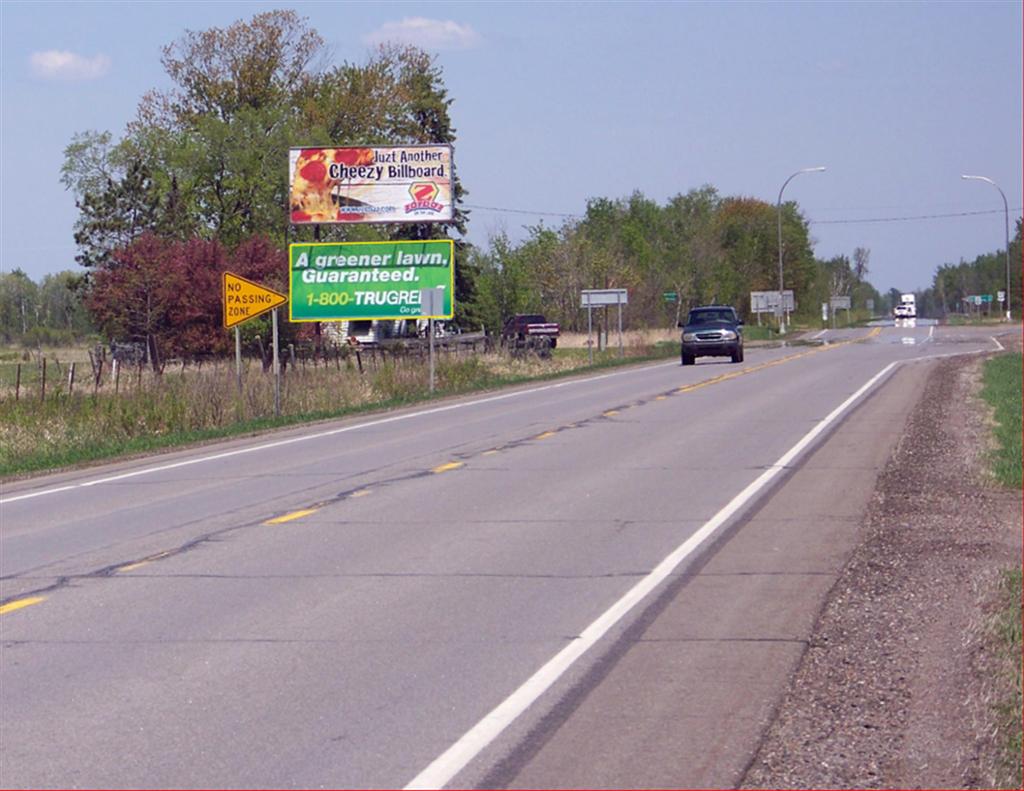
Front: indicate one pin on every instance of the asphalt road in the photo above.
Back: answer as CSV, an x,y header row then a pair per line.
x,y
462,593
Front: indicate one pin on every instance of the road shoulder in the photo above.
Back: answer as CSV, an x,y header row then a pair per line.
x,y
892,690
682,699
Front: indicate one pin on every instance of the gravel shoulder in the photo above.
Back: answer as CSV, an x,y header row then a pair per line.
x,y
897,684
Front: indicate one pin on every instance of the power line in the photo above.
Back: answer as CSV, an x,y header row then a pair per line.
x,y
522,211
909,218
905,219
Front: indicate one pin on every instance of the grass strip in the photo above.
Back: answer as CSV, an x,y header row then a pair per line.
x,y
73,431
1002,390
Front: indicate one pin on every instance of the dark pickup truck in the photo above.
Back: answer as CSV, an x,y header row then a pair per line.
x,y
712,331
530,331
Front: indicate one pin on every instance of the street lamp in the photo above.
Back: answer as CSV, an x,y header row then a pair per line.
x,y
1006,209
782,323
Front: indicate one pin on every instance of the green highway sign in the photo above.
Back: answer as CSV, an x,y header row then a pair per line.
x,y
338,281
670,296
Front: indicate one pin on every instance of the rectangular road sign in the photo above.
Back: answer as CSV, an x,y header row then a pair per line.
x,y
840,303
244,299
768,301
595,297
337,281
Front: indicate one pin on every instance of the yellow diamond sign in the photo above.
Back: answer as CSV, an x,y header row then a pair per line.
x,y
244,300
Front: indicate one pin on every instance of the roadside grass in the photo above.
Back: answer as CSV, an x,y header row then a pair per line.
x,y
1006,627
1002,390
181,408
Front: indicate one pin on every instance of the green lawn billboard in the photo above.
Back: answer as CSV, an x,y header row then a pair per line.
x,y
338,281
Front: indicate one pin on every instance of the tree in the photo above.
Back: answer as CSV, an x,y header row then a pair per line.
x,y
861,255
19,305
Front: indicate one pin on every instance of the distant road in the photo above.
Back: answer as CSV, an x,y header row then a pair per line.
x,y
443,594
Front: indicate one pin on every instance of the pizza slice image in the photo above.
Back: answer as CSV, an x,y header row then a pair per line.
x,y
314,195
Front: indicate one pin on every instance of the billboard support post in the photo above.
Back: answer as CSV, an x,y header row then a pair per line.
x,y
277,370
430,330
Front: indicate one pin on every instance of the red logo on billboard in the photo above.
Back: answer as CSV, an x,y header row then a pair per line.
x,y
423,198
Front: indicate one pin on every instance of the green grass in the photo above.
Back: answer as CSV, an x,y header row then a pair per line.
x,y
1002,390
181,409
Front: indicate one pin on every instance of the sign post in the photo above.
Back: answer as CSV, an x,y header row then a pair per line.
x,y
244,300
432,304
277,369
597,297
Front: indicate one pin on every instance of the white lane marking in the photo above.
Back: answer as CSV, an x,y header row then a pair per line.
x,y
457,757
997,343
320,435
815,337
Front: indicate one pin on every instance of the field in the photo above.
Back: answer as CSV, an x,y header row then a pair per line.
x,y
130,409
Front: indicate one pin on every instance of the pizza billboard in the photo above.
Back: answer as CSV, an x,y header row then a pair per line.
x,y
341,281
370,184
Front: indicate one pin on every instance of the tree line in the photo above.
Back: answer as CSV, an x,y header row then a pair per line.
x,y
198,183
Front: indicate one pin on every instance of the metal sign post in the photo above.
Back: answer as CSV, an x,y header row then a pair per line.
x,y
432,304
590,331
602,297
238,358
277,370
621,353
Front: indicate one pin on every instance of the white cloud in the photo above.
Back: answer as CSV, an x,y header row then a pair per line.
x,y
58,65
430,34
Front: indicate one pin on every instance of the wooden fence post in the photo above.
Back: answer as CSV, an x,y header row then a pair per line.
x,y
42,382
17,383
71,378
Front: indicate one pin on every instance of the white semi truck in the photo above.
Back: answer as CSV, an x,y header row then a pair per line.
x,y
907,309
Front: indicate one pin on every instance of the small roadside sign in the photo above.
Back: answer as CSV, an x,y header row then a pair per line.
x,y
670,296
596,297
1001,297
244,299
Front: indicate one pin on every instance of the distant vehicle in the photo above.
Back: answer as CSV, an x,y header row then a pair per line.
x,y
530,331
907,309
712,331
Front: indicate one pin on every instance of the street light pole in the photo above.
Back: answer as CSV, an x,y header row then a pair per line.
x,y
1006,209
778,207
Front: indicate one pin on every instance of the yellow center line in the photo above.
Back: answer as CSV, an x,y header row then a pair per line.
x,y
490,452
289,517
452,465
545,435
611,412
17,605
361,493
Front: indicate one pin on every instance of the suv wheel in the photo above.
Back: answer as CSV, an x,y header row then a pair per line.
x,y
688,359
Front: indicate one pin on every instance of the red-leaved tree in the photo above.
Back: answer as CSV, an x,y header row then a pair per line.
x,y
167,294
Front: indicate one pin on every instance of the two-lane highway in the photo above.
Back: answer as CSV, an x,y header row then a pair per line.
x,y
396,599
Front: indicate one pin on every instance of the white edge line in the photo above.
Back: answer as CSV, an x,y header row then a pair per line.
x,y
318,435
997,343
457,757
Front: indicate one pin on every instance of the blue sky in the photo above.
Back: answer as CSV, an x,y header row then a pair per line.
x,y
556,103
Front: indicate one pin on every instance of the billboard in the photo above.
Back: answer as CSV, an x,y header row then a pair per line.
x,y
370,184
339,281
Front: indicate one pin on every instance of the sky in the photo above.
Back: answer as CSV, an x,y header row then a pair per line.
x,y
556,103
